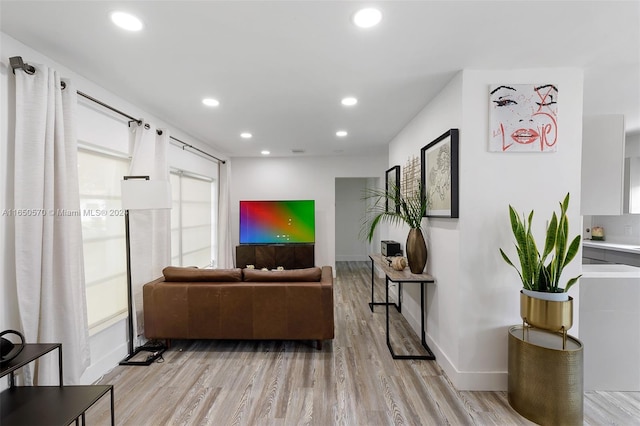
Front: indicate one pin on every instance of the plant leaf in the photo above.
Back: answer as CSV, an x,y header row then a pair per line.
x,y
550,241
571,282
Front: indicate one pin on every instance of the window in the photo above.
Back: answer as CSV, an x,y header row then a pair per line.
x,y
103,237
192,220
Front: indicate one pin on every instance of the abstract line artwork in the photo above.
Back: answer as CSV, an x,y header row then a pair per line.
x,y
523,118
439,170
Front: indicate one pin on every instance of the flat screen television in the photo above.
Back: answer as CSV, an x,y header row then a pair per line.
x,y
277,222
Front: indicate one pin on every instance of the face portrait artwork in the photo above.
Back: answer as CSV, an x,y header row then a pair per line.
x,y
523,118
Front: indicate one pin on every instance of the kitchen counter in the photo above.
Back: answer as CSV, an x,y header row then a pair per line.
x,y
609,313
627,248
610,271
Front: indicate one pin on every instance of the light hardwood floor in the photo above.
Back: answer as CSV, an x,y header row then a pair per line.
x,y
352,381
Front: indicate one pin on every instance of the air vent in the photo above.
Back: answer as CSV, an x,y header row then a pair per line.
x,y
297,151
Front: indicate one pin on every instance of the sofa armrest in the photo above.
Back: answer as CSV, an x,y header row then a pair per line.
x,y
326,282
165,309
326,278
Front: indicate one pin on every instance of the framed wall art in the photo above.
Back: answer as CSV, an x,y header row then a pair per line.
x,y
439,174
392,183
523,117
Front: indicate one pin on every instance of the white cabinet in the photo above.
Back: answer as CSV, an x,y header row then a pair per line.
x,y
632,174
603,141
609,315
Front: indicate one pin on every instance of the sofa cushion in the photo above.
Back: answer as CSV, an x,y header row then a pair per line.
x,y
180,274
291,275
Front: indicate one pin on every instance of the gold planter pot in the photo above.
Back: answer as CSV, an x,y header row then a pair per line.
x,y
546,314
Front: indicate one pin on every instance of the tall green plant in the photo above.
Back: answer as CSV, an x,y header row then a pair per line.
x,y
534,272
413,208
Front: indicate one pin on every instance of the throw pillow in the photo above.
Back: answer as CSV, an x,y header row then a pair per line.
x,y
180,274
291,275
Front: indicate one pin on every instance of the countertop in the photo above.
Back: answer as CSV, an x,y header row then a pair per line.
x,y
629,248
610,271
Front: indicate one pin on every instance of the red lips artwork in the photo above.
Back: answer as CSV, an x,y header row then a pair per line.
x,y
523,118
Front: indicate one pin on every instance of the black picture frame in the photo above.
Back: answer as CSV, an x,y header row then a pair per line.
x,y
392,183
439,175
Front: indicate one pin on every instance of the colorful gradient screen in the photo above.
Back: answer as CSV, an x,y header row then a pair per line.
x,y
277,222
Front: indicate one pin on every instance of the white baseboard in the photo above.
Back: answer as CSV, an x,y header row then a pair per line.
x,y
105,355
103,365
495,381
461,380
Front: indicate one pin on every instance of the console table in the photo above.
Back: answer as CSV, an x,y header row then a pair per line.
x,y
400,277
50,405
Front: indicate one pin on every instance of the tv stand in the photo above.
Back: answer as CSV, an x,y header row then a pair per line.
x,y
270,256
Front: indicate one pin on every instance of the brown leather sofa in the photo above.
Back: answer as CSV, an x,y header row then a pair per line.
x,y
192,303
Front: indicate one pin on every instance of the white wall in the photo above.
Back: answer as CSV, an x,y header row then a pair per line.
x,y
442,235
475,298
290,178
98,127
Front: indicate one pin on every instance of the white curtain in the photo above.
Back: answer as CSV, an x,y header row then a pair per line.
x,y
150,230
48,238
225,248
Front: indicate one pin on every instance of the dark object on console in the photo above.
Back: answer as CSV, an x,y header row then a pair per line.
x,y
9,349
270,256
391,248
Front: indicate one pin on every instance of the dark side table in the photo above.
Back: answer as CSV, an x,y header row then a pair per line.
x,y
400,277
46,405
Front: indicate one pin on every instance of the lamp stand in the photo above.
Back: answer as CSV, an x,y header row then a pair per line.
x,y
156,352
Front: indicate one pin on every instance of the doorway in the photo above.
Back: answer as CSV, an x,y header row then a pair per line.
x,y
350,210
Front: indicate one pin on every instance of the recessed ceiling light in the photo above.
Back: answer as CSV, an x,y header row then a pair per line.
x,y
349,101
367,18
246,135
265,152
210,102
341,133
126,21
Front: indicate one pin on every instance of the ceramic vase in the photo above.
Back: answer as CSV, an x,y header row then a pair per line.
x,y
416,251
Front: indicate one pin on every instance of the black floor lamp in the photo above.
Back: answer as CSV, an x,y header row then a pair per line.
x,y
140,193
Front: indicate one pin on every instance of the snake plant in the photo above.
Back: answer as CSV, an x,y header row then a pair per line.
x,y
536,272
412,208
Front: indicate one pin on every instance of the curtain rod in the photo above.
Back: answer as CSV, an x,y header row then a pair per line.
x,y
16,62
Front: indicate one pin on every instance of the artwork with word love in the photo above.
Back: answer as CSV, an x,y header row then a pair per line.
x,y
523,117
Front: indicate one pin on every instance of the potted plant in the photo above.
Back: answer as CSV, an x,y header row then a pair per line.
x,y
411,208
543,302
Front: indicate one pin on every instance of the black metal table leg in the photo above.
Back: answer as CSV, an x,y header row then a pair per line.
x,y
372,303
430,355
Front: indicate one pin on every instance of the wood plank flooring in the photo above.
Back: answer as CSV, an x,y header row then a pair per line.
x,y
352,381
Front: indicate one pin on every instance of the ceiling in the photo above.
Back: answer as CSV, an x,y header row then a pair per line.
x,y
280,68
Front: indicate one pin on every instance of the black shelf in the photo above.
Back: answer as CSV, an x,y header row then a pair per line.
x,y
49,405
46,405
29,353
